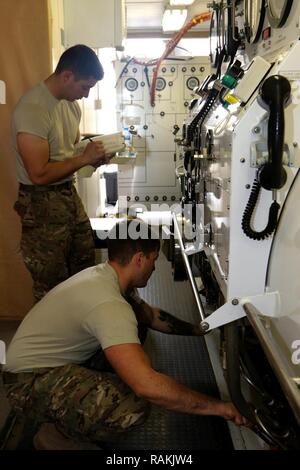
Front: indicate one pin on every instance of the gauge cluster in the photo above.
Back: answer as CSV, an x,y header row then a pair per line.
x,y
254,27
277,29
152,130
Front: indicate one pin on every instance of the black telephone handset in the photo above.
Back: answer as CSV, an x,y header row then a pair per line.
x,y
274,93
274,96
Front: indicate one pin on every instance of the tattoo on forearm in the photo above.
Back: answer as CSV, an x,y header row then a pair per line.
x,y
141,309
176,326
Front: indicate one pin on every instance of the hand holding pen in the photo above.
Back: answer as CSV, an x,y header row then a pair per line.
x,y
95,154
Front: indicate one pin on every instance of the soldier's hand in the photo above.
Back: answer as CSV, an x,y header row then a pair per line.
x,y
94,154
230,413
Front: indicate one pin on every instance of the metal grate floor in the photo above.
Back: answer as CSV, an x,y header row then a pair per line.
x,y
186,359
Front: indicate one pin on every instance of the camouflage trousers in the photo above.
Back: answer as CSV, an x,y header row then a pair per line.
x,y
57,239
84,404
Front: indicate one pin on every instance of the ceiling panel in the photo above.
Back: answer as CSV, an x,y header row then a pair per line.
x,y
146,15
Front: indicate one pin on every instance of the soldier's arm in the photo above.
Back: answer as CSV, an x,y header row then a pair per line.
x,y
35,155
133,366
159,320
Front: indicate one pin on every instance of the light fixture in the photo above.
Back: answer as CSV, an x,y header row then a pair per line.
x,y
173,19
181,2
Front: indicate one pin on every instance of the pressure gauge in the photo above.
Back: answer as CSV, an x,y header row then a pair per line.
x,y
160,84
131,84
278,12
254,19
192,82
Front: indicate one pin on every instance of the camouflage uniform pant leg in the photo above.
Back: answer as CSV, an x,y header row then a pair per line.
x,y
44,242
82,250
49,220
19,394
86,404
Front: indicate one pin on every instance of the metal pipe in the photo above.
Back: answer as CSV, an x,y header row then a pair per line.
x,y
188,268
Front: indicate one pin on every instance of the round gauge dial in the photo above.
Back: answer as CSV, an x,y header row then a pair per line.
x,y
160,84
192,82
278,12
131,84
254,19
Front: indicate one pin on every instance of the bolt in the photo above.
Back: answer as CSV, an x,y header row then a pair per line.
x,y
242,160
295,144
235,301
256,130
247,186
204,326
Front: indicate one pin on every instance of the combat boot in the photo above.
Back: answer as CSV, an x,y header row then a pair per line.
x,y
50,438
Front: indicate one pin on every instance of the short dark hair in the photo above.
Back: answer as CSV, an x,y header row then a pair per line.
x,y
129,237
82,61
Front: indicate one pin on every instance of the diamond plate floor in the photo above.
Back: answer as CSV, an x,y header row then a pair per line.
x,y
186,359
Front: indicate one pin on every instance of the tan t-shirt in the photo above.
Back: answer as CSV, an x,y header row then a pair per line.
x,y
70,323
39,113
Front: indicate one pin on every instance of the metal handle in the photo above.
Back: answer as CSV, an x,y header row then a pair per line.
x,y
188,268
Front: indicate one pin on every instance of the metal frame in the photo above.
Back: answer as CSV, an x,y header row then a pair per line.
x,y
289,384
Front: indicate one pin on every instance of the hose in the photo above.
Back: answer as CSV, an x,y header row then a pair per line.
x,y
210,101
247,216
198,19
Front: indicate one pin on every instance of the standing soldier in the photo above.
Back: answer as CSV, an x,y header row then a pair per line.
x,y
57,239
